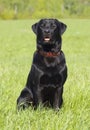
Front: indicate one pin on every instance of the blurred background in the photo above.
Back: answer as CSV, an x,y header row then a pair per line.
x,y
33,9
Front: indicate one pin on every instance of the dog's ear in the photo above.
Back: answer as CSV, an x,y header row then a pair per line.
x,y
62,27
34,28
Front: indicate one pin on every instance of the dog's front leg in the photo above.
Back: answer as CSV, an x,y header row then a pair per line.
x,y
39,97
58,100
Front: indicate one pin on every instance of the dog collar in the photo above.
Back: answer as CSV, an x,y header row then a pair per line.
x,y
49,54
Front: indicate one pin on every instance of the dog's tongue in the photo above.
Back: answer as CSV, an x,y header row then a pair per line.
x,y
47,39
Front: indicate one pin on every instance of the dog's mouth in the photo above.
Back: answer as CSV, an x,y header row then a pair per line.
x,y
47,39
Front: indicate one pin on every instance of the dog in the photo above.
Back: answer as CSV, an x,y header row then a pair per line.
x,y
49,70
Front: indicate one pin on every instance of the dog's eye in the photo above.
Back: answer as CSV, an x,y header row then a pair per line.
x,y
53,26
42,25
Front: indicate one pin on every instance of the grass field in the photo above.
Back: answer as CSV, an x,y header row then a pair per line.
x,y
17,44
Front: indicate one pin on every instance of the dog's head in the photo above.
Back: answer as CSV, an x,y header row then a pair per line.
x,y
49,33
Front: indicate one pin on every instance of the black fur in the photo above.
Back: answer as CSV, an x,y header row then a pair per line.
x,y
48,74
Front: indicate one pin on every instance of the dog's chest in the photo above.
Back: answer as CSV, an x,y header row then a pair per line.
x,y
52,80
51,76
47,71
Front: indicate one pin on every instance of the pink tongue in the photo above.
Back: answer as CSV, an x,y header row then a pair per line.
x,y
47,39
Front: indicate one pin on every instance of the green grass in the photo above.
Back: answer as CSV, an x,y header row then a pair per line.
x,y
17,44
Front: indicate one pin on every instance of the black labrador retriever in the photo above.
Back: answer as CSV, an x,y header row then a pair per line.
x,y
48,71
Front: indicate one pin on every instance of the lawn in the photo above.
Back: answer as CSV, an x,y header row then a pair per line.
x,y
17,44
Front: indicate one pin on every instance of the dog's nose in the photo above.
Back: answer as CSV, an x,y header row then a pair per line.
x,y
47,31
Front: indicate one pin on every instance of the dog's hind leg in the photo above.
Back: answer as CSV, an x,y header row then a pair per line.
x,y
25,99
